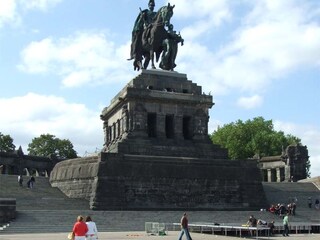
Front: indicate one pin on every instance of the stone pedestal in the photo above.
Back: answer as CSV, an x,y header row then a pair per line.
x,y
158,155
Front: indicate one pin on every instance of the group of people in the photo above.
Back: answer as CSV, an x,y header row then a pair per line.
x,y
30,182
282,209
253,222
316,203
84,229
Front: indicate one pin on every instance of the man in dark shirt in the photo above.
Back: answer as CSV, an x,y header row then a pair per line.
x,y
252,222
184,227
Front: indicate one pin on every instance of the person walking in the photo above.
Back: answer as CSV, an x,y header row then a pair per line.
x,y
317,204
184,227
252,222
309,202
20,180
92,233
80,229
286,225
32,181
271,226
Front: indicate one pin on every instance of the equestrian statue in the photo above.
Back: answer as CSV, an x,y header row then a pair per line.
x,y
150,38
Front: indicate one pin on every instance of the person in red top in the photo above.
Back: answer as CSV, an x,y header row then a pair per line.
x,y
184,227
80,229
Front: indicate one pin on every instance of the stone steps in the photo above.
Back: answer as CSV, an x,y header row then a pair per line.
x,y
47,221
42,196
51,214
285,192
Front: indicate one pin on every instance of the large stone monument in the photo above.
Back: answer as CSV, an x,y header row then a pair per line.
x,y
157,153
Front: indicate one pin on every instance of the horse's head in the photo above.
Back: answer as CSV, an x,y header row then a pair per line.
x,y
166,14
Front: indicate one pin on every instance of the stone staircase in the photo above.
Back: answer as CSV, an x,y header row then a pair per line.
x,y
41,197
285,192
46,210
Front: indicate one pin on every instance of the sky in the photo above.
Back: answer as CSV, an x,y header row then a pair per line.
x,y
62,61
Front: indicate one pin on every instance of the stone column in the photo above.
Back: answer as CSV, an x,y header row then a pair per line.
x,y
278,175
269,175
287,173
105,130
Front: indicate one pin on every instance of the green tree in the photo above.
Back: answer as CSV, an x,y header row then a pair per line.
x,y
246,139
48,144
6,143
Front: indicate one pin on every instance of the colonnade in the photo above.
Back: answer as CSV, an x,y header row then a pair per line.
x,y
273,174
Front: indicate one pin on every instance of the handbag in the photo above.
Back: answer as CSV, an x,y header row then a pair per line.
x,y
71,236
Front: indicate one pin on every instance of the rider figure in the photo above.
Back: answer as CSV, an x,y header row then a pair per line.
x,y
149,14
142,22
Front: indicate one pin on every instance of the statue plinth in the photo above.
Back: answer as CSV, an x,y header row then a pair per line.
x,y
158,155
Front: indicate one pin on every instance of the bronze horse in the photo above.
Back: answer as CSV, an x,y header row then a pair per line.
x,y
153,37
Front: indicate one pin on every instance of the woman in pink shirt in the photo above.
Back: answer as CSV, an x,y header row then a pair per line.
x,y
80,229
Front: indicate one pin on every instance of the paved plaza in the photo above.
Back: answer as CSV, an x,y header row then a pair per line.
x,y
172,235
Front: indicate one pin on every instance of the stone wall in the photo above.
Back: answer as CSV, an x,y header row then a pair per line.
x,y
16,162
314,180
7,209
114,181
75,177
163,183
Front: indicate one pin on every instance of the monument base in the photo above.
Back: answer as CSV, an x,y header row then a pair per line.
x,y
115,181
158,154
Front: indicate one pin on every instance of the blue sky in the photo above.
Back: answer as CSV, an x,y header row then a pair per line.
x,y
62,61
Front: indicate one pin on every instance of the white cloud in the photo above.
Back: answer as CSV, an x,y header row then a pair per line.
x,y
79,59
250,102
310,136
11,11
38,114
213,125
201,9
39,4
206,15
274,39
37,56
7,11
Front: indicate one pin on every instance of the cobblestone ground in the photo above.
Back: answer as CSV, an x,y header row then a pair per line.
x,y
173,235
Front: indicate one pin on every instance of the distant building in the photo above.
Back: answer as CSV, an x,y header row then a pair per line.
x,y
289,166
16,162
